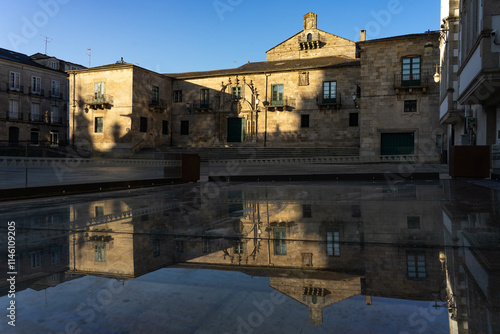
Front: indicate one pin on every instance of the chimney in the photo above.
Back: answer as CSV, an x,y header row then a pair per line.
x,y
362,37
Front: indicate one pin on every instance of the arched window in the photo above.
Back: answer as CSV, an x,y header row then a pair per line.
x,y
309,37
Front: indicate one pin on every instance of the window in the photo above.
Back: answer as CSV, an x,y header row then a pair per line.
x,y
413,222
35,136
55,255
304,79
304,121
356,211
36,259
36,85
330,92
236,93
99,251
238,248
410,71
144,124
53,65
54,115
439,141
14,81
164,127
332,243
13,109
410,106
177,95
204,98
309,37
54,138
184,128
73,68
277,95
306,210
353,119
156,248
55,88
99,91
98,125
279,240
35,112
416,264
155,95
99,210
179,246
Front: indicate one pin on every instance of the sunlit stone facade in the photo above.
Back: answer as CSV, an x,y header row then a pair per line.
x,y
315,89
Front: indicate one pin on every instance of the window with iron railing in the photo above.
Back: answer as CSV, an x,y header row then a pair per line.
x,y
330,92
277,94
410,71
204,98
55,88
36,85
14,81
155,95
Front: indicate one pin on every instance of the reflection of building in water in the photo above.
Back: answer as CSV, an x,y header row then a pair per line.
x,y
471,260
318,243
127,239
41,249
377,234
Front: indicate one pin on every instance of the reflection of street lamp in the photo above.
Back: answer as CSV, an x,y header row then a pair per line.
x,y
442,259
188,106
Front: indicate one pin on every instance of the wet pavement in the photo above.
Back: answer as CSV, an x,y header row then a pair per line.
x,y
394,256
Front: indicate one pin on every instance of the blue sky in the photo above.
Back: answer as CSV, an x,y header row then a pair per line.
x,y
190,35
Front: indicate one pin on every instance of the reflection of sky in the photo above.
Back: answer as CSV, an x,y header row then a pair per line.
x,y
206,301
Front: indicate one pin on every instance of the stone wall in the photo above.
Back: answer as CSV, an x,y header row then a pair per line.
x,y
384,95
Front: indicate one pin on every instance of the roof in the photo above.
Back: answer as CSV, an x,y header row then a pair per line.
x,y
408,36
22,58
39,55
272,66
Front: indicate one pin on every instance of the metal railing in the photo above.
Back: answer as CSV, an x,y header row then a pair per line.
x,y
23,162
329,160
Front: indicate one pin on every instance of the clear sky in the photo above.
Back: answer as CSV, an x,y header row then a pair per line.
x,y
190,35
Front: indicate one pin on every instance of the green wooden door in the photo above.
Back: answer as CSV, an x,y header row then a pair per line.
x,y
235,130
397,143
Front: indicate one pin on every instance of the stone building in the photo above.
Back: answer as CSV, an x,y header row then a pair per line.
x,y
400,99
34,93
315,89
119,107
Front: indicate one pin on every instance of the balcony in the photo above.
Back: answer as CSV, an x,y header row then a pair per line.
x,y
329,103
55,120
9,89
36,118
408,83
10,116
99,101
56,95
203,106
157,105
286,104
40,92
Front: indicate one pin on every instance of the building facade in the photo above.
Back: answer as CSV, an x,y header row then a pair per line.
x,y
119,107
34,93
315,89
470,76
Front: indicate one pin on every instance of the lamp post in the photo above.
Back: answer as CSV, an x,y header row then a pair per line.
x,y
265,103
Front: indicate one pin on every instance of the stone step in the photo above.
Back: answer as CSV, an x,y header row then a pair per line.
x,y
219,153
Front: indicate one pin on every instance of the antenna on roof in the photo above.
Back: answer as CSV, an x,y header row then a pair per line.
x,y
89,54
47,40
